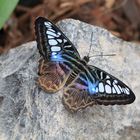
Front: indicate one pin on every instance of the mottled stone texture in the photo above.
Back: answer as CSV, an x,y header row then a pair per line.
x,y
28,113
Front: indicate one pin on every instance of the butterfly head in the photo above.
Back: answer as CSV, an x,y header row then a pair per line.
x,y
85,59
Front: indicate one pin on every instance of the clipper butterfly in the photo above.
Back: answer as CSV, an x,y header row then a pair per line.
x,y
61,67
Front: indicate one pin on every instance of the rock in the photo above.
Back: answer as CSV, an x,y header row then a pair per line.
x,y
28,113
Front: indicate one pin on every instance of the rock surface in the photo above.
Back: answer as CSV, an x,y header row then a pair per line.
x,y
28,113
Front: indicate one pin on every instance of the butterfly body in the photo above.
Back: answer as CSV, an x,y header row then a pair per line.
x,y
61,67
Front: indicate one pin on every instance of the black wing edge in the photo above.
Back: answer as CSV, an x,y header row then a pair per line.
x,y
41,38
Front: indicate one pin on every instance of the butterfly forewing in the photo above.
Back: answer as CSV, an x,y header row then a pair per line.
x,y
110,89
98,87
51,41
56,51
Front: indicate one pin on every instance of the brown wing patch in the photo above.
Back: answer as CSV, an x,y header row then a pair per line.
x,y
52,75
76,97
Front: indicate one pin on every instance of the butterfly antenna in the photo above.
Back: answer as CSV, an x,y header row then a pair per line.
x,y
103,55
90,44
101,52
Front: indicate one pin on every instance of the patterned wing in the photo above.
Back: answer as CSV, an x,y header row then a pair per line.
x,y
95,86
57,52
51,41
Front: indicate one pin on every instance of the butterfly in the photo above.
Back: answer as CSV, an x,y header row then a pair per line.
x,y
61,66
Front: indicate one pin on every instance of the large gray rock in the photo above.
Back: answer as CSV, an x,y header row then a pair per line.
x,y
28,113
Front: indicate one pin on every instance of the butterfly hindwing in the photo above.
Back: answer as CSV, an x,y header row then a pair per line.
x,y
56,51
98,87
52,76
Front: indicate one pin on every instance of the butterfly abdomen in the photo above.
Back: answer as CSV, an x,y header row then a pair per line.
x,y
78,68
71,77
